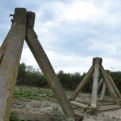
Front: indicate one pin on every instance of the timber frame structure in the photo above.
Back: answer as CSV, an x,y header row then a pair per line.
x,y
102,82
10,53
106,80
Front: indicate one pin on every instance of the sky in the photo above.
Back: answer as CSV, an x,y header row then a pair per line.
x,y
72,32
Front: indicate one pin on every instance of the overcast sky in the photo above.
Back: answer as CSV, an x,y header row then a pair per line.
x,y
71,32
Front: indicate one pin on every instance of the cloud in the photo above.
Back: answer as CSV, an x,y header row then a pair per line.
x,y
69,63
72,32
73,63
111,64
81,10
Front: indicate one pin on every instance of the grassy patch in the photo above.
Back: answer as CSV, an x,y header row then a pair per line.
x,y
46,93
32,93
26,93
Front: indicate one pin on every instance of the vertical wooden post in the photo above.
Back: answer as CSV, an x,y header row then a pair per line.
x,y
96,63
10,63
82,83
46,67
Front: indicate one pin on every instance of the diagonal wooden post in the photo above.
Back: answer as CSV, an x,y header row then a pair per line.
x,y
4,44
10,63
100,83
109,85
114,85
1,54
96,63
103,92
82,83
46,67
104,87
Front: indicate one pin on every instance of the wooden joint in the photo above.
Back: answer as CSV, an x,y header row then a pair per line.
x,y
97,60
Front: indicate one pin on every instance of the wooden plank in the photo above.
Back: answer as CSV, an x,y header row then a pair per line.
x,y
109,85
109,107
79,104
10,63
46,67
111,100
82,83
85,102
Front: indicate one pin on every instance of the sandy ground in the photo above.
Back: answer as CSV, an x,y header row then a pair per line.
x,y
46,105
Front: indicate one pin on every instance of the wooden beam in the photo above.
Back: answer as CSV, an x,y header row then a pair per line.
x,y
10,63
82,83
96,62
46,67
100,83
4,44
103,92
79,104
109,85
1,54
111,100
109,107
115,87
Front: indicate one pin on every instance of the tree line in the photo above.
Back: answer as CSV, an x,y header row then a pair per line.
x,y
28,76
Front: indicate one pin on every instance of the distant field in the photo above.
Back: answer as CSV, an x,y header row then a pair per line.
x,y
33,102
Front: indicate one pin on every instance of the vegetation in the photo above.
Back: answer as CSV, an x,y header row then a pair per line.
x,y
13,117
117,78
57,113
31,93
26,93
28,76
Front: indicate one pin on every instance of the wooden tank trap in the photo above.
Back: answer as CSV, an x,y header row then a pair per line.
x,y
106,81
10,53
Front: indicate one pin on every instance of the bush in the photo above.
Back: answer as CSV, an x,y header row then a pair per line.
x,y
29,76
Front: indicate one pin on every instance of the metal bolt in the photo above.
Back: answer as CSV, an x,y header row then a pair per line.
x,y
12,20
11,15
